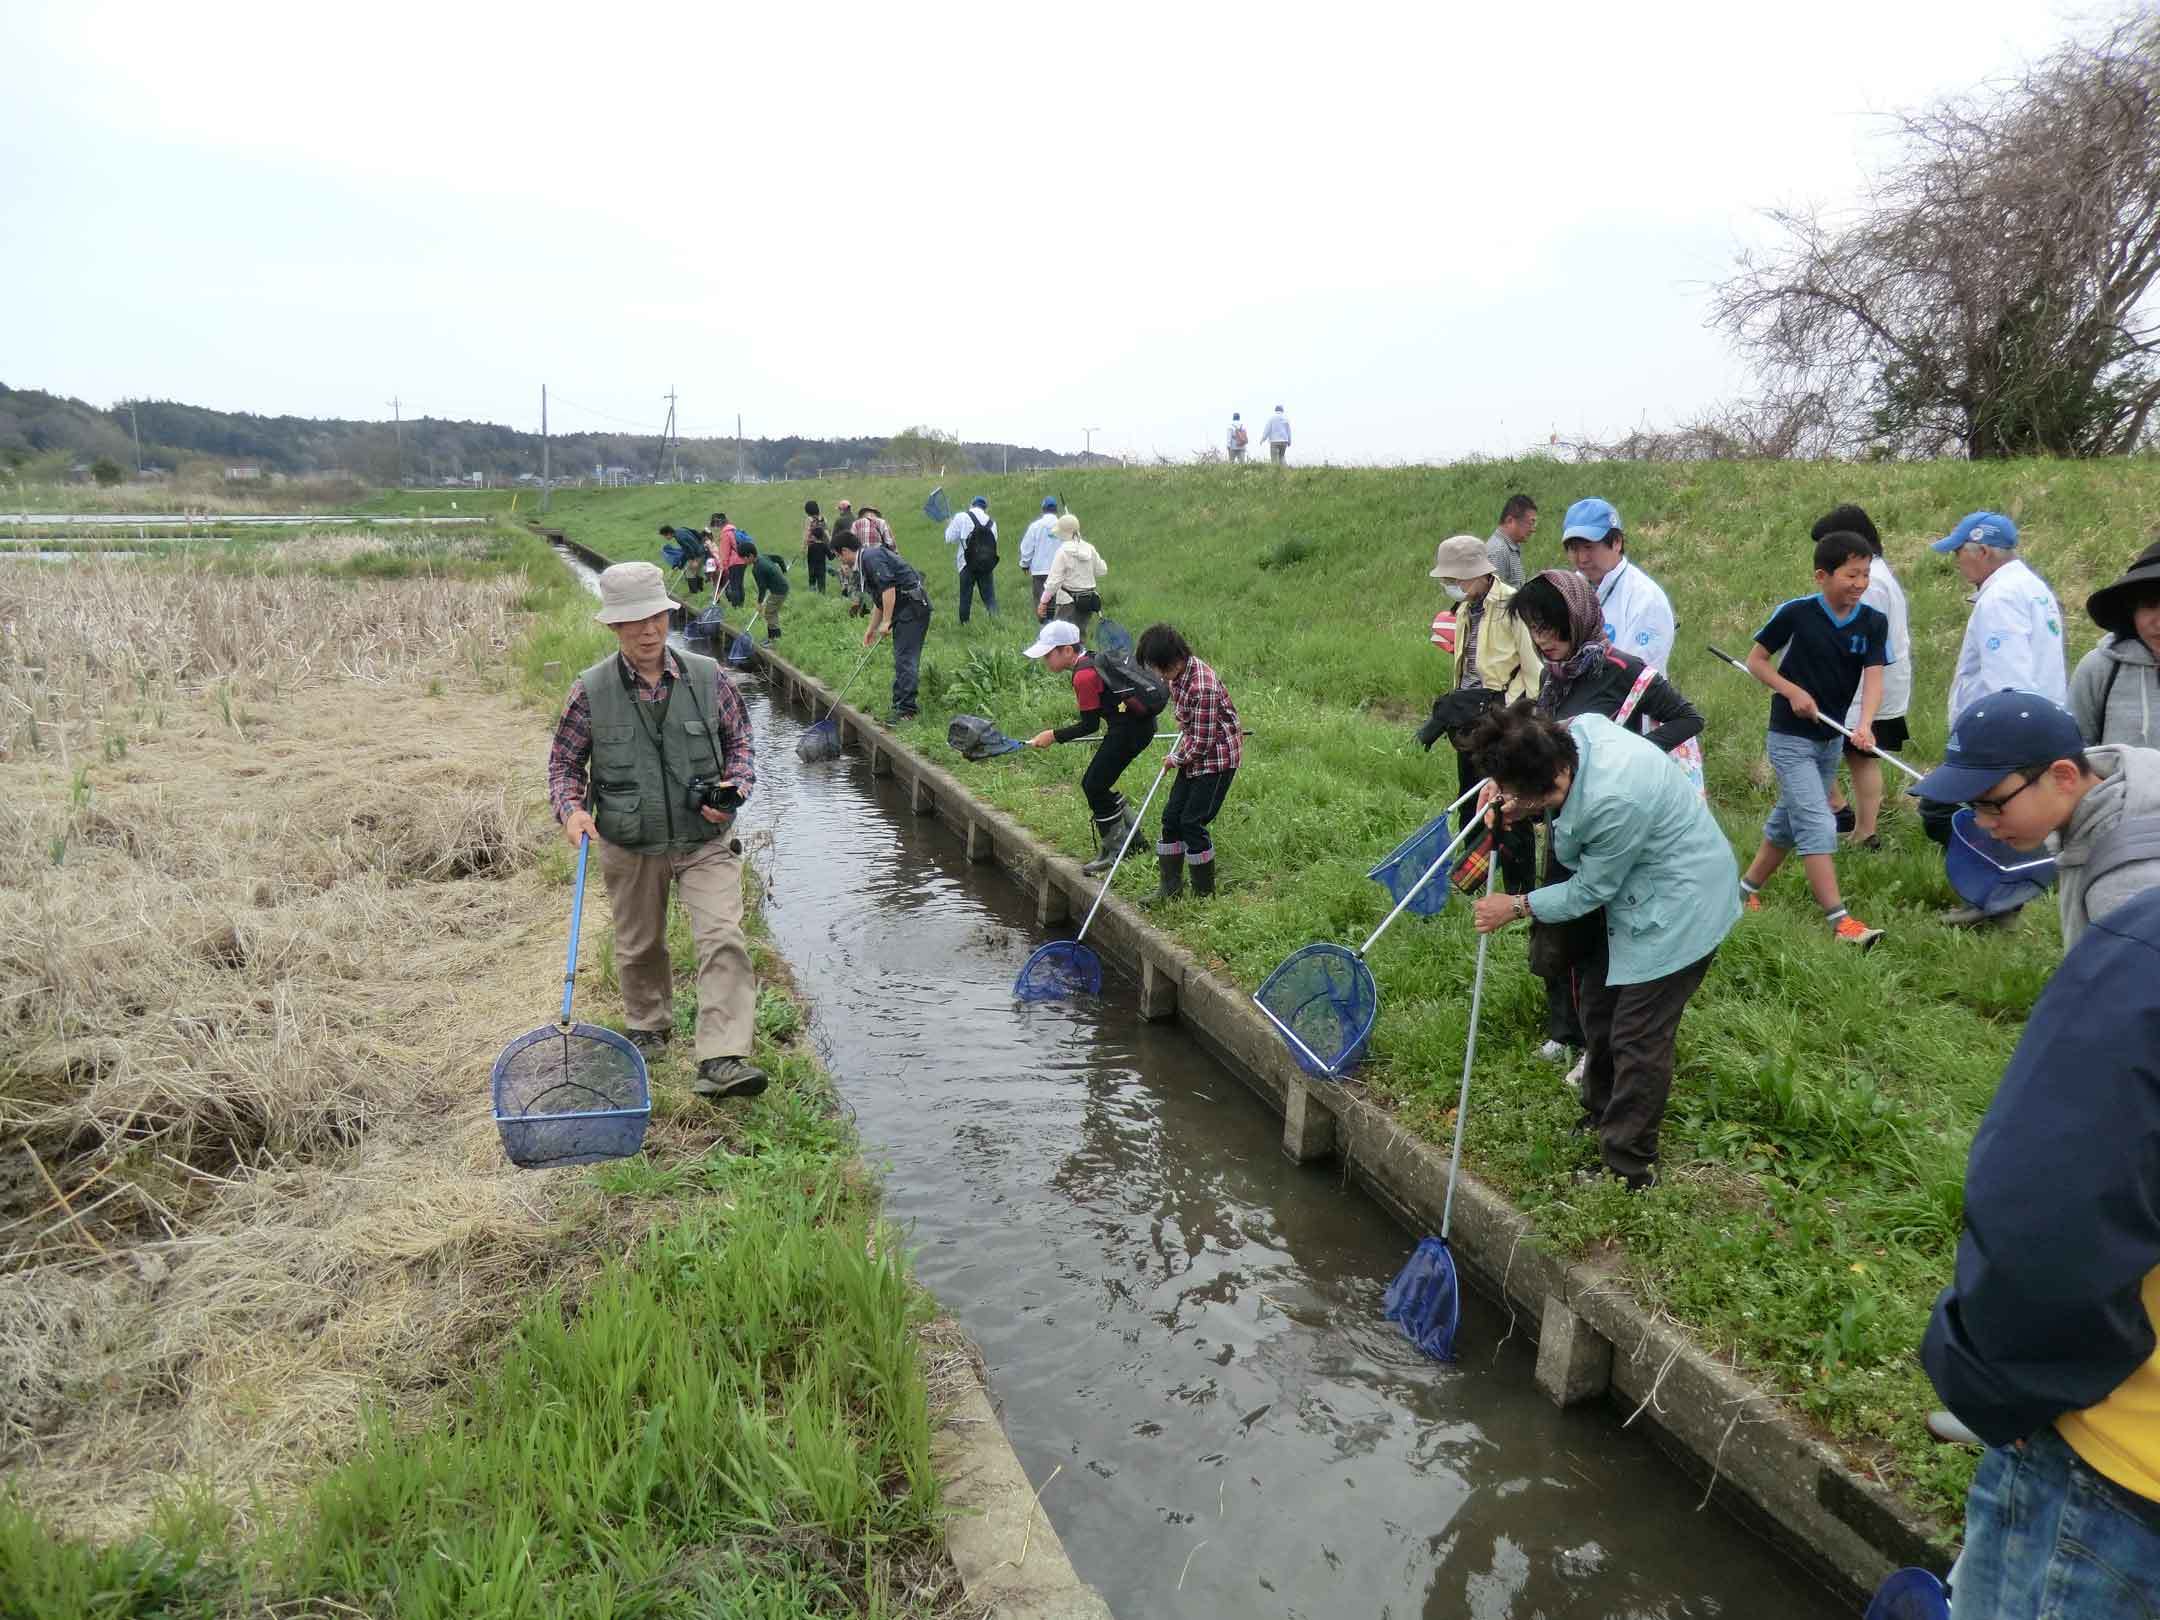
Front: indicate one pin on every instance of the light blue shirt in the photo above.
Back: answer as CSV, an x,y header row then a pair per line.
x,y
1039,544
1642,844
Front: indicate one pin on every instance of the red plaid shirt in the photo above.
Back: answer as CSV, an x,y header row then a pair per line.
x,y
570,756
1208,740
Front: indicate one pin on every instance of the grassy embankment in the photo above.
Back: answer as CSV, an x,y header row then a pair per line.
x,y
1824,1104
282,1328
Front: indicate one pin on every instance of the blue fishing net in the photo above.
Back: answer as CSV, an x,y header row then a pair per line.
x,y
935,508
739,652
1990,874
1426,1299
1112,637
570,1094
1322,1002
1398,874
1059,971
1909,1594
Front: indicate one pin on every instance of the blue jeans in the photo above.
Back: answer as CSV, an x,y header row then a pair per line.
x,y
972,581
2046,1538
910,624
1805,769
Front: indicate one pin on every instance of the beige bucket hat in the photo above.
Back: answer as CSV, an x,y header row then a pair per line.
x,y
631,591
1461,556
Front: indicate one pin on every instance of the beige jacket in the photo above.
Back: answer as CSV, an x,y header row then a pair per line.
x,y
1074,571
1507,659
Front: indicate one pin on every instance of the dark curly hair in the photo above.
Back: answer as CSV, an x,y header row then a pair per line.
x,y
1848,519
1520,749
1161,647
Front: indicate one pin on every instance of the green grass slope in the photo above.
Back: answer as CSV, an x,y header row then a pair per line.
x,y
1824,1102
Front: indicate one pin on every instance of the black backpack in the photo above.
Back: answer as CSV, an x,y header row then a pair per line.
x,y
1135,688
980,547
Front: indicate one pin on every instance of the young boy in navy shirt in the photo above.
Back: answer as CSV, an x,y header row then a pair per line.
x,y
1834,646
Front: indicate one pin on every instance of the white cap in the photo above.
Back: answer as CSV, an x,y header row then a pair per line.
x,y
1055,633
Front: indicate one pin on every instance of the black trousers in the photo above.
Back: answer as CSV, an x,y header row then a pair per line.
x,y
1194,802
1633,1030
1516,846
1127,741
818,556
733,586
911,622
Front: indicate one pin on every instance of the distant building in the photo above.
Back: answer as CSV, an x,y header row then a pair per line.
x,y
243,475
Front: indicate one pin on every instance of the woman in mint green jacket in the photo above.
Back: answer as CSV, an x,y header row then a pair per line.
x,y
1655,891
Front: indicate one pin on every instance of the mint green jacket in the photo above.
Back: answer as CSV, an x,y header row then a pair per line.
x,y
1642,844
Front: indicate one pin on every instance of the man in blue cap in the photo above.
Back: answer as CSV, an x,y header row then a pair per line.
x,y
1638,615
2020,764
1039,545
973,536
2013,639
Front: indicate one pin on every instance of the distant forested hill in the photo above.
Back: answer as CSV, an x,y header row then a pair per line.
x,y
50,432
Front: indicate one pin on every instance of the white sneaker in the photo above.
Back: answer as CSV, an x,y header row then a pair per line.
x,y
1574,1075
1554,1051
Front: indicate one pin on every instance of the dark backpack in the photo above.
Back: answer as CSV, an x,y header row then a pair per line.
x,y
1133,687
980,547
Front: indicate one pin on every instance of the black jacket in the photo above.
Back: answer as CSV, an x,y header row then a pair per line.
x,y
2062,1197
1606,687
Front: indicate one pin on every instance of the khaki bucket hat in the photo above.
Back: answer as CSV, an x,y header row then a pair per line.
x,y
630,591
1461,556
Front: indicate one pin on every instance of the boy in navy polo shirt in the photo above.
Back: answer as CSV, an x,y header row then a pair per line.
x,y
1833,645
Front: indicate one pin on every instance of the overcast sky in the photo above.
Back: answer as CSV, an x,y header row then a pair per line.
x,y
1427,230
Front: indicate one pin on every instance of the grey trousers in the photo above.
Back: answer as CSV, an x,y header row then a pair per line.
x,y
1633,1030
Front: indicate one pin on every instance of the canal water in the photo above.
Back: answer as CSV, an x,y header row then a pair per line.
x,y
1182,1329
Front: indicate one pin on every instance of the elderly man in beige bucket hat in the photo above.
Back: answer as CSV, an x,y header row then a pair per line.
x,y
651,760
1495,661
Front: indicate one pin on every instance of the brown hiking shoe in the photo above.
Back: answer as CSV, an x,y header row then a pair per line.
x,y
724,1077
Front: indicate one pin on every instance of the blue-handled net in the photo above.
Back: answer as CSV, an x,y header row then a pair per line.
x,y
936,508
1909,1594
1322,1001
740,650
1426,1299
1400,871
1990,874
570,1094
1062,970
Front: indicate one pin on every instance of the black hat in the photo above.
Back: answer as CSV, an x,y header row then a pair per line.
x,y
2111,606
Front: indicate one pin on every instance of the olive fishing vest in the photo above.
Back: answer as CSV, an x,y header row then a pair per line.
x,y
644,755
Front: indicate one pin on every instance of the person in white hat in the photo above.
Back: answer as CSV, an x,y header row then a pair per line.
x,y
651,760
1109,692
1495,662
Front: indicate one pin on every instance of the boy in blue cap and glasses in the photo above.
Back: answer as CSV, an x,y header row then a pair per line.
x,y
2020,764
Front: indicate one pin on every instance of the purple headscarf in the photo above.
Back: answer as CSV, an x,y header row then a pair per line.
x,y
1586,628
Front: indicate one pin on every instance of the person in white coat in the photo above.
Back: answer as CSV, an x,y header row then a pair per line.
x,y
1039,544
1236,439
973,536
1638,614
1277,434
2014,638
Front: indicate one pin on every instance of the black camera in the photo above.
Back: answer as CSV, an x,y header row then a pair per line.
x,y
703,791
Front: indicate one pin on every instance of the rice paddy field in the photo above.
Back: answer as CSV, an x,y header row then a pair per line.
x,y
1825,1100
280,1329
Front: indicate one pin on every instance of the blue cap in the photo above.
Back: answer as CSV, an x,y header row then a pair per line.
x,y
982,501
1049,503
2000,733
1979,528
1590,519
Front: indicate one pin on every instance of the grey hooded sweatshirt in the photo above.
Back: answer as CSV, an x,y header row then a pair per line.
x,y
2129,791
2132,700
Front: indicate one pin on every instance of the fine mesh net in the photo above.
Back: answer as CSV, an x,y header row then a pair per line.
x,y
1909,1594
573,1096
1322,1001
1112,637
973,736
1990,874
821,741
1399,873
1426,1299
740,650
1059,971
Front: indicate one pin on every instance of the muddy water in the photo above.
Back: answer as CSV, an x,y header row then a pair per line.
x,y
1178,1321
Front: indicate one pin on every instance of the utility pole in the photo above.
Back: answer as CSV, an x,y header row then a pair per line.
x,y
136,428
668,437
397,423
739,468
1090,432
544,486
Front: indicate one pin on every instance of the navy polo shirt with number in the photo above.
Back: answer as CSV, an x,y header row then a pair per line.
x,y
1825,657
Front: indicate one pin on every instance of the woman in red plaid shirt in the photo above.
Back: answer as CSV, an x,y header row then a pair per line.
x,y
1205,756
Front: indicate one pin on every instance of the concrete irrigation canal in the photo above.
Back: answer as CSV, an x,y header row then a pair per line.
x,y
1179,1324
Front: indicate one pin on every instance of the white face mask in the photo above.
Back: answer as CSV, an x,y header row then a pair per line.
x,y
1455,592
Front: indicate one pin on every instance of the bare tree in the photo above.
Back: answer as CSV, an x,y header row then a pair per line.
x,y
1994,294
